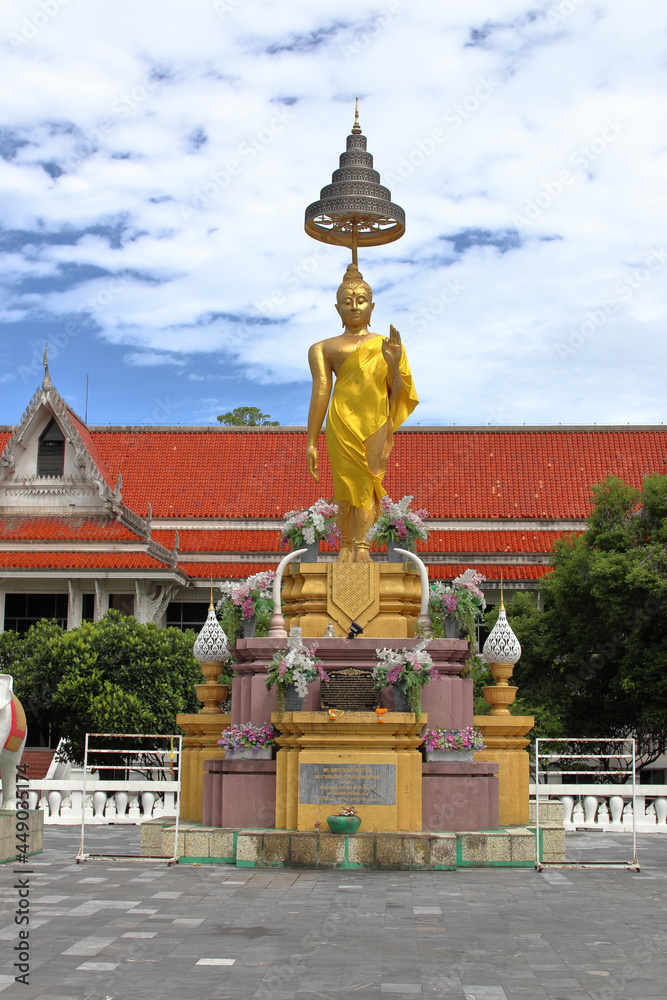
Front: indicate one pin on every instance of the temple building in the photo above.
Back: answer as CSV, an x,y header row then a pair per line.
x,y
140,518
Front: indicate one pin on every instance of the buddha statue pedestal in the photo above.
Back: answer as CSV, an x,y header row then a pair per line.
x,y
323,765
384,598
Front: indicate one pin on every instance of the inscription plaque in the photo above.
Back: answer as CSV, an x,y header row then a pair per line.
x,y
350,690
362,784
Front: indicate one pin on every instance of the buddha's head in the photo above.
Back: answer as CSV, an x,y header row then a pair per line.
x,y
354,300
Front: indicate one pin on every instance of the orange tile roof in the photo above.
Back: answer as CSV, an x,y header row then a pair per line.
x,y
75,528
489,541
249,540
79,560
455,474
436,571
88,441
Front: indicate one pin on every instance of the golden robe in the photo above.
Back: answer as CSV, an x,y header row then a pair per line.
x,y
359,425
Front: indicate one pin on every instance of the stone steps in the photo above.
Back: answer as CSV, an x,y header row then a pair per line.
x,y
248,848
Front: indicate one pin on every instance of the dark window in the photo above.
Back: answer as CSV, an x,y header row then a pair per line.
x,y
24,610
187,614
652,776
51,451
87,607
122,602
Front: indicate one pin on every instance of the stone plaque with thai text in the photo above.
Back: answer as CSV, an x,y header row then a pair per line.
x,y
350,690
361,784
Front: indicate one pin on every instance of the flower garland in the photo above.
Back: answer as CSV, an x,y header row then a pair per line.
x,y
454,739
246,737
308,525
397,523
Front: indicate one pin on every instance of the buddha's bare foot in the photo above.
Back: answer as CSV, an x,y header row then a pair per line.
x,y
362,555
346,553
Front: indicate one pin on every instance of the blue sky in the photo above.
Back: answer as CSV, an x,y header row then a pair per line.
x,y
157,159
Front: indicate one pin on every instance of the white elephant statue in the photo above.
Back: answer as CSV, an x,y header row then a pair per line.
x,y
13,732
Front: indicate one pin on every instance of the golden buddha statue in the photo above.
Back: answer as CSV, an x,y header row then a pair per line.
x,y
372,396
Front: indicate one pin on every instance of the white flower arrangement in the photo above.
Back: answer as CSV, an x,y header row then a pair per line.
x,y
297,665
397,523
305,527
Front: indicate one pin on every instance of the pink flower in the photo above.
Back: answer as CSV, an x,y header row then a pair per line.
x,y
450,601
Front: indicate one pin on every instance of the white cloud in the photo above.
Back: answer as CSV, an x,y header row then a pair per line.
x,y
495,117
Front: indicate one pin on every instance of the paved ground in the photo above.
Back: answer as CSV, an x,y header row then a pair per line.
x,y
108,930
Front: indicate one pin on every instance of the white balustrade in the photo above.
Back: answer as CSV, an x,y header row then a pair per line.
x,y
60,796
106,802
608,807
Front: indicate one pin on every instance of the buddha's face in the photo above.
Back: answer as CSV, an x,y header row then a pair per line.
x,y
354,306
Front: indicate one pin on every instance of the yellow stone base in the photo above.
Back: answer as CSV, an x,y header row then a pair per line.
x,y
343,758
200,743
384,598
504,736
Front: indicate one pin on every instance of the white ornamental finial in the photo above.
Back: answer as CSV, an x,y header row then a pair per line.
x,y
502,646
46,381
211,643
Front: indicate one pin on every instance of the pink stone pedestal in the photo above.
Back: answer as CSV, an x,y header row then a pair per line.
x,y
240,793
457,796
447,702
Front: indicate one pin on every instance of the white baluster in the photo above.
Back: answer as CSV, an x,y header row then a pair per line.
x,y
649,815
147,800
110,809
568,806
158,808
169,807
88,807
133,811
54,798
627,816
603,814
99,802
661,810
590,809
121,802
578,815
616,806
33,799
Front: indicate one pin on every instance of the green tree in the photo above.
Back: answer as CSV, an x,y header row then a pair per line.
x,y
112,676
247,416
595,659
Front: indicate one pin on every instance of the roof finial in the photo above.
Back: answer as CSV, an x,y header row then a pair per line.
x,y
210,607
356,128
502,602
46,381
